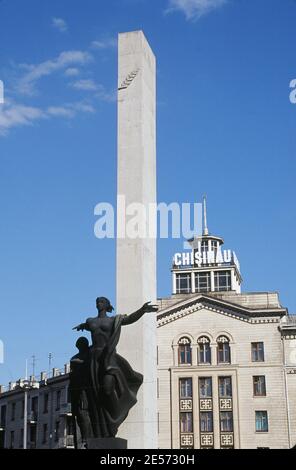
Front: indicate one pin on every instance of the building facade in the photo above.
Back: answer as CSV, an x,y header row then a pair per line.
x,y
226,359
226,378
226,364
47,415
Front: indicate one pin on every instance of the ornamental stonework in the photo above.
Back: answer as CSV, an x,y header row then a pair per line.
x,y
206,440
205,405
186,405
186,440
226,440
225,404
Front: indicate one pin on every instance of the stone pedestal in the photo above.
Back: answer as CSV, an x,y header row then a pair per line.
x,y
107,443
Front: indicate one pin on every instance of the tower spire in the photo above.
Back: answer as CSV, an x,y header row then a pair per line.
x,y
205,229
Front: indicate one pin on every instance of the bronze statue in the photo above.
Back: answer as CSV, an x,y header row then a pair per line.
x,y
80,391
108,386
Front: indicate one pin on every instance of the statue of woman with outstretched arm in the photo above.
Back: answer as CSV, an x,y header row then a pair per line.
x,y
113,384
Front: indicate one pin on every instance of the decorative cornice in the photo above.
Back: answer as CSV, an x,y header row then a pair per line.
x,y
288,336
230,310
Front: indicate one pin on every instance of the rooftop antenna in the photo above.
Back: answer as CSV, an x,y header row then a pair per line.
x,y
49,363
205,230
26,386
33,364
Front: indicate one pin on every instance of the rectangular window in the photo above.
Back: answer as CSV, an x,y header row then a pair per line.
x,y
204,246
183,283
206,421
58,400
226,421
70,427
205,387
57,431
21,443
203,282
186,422
223,353
225,387
13,408
12,440
33,436
204,352
44,434
185,354
222,281
45,403
3,416
185,388
214,245
259,386
261,421
258,352
34,408
68,395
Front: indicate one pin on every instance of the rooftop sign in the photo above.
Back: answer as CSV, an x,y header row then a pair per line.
x,y
204,258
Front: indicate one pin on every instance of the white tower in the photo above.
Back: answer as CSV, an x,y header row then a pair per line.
x,y
209,268
136,257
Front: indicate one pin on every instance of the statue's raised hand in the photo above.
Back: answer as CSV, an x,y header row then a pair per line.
x,y
78,328
147,308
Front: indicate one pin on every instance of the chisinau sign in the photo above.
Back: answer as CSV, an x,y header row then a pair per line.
x,y
200,258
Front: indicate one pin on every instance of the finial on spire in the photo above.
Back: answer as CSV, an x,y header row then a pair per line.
x,y
205,229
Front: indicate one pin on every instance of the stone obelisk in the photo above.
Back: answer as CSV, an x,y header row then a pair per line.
x,y
136,256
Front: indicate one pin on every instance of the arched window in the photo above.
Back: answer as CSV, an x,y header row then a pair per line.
x,y
223,350
204,350
185,355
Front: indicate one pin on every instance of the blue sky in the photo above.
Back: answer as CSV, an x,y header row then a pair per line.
x,y
225,125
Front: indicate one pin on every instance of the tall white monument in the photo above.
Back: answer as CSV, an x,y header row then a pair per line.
x,y
136,257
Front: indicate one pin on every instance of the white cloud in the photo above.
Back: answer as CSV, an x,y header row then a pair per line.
x,y
104,44
16,115
61,111
70,110
194,9
26,84
87,85
98,89
60,24
13,115
84,108
103,95
72,72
